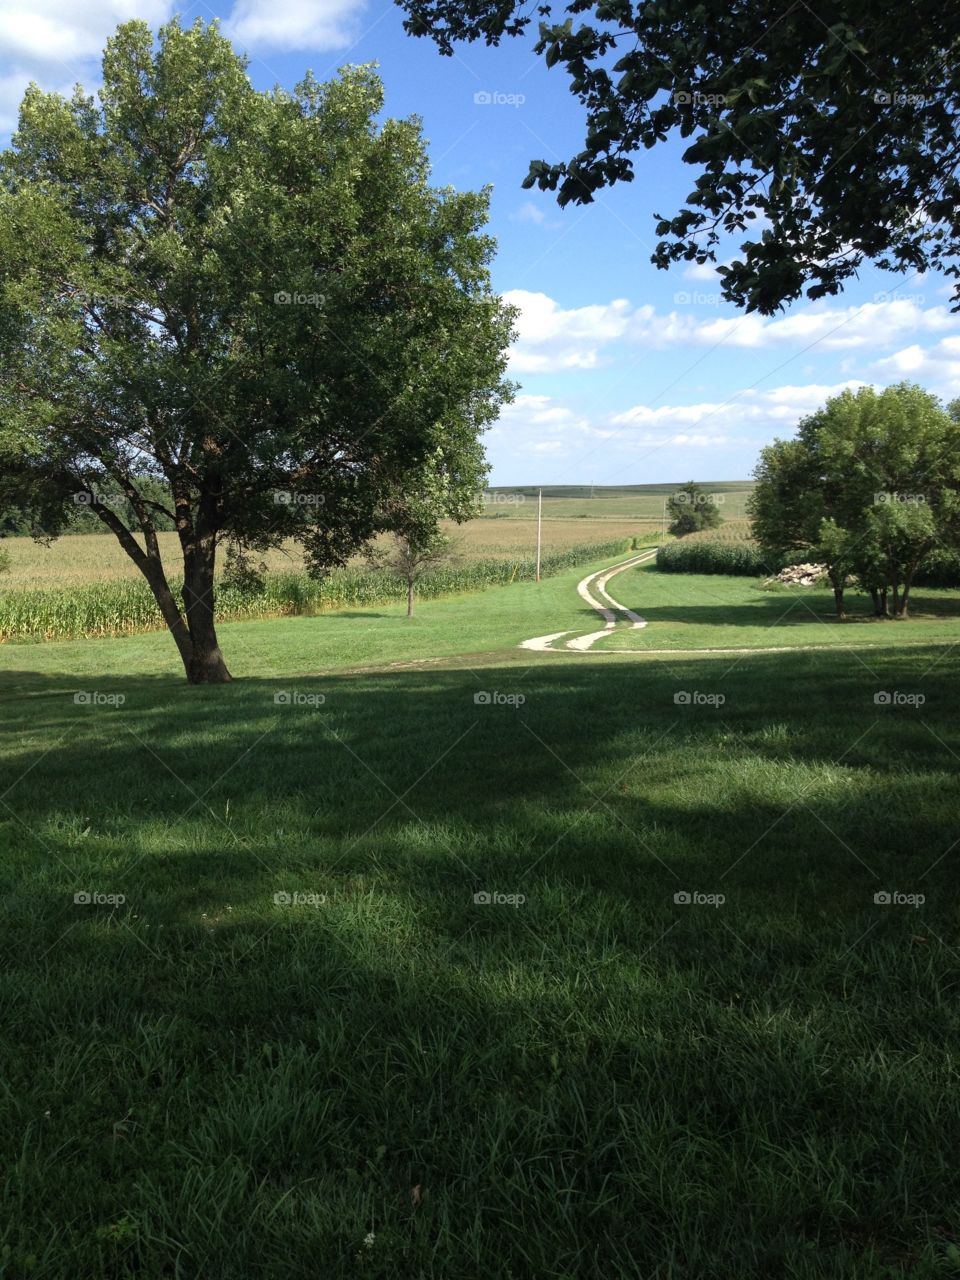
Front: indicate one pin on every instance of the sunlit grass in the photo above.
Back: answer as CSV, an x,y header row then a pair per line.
x,y
390,1078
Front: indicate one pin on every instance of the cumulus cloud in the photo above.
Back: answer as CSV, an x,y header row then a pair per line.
x,y
765,413
58,45
295,24
700,271
552,338
937,367
540,424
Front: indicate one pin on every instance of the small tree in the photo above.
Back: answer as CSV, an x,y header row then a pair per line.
x,y
409,557
691,510
448,487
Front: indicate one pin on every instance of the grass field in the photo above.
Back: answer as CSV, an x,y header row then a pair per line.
x,y
693,611
384,1076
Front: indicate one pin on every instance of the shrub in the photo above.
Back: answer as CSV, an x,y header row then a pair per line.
x,y
940,569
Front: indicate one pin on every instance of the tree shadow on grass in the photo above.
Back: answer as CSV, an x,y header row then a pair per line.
x,y
574,1082
499,770
603,1070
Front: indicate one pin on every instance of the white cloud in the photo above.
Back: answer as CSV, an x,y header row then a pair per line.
x,y
539,424
536,415
764,413
58,45
295,24
552,338
937,367
529,212
700,271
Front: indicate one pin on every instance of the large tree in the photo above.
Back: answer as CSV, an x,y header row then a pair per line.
x,y
248,313
833,127
871,486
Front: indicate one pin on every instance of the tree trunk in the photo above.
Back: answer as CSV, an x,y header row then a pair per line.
x,y
905,594
195,636
837,584
409,598
171,611
204,664
879,597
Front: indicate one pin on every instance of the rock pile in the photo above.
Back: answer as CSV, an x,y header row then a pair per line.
x,y
801,575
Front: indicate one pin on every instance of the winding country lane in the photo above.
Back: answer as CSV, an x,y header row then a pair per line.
x,y
607,607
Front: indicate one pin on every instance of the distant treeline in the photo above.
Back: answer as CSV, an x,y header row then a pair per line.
x,y
16,520
619,490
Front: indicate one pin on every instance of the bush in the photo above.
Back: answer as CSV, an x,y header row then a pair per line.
x,y
741,559
941,569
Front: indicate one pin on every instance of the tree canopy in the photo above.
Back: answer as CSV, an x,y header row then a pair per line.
x,y
691,509
248,314
870,487
830,135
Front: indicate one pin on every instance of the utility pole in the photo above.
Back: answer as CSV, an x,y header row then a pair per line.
x,y
663,527
539,520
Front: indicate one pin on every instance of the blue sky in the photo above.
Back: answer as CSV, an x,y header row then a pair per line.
x,y
629,375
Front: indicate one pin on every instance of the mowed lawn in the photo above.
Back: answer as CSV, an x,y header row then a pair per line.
x,y
378,1074
709,611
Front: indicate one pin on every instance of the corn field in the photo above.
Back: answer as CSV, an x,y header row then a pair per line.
x,y
124,606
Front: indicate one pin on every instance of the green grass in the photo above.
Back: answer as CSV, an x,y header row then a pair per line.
x,y
703,611
639,501
199,1082
122,606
